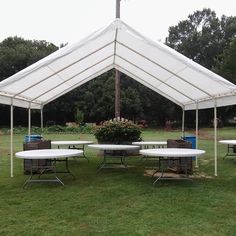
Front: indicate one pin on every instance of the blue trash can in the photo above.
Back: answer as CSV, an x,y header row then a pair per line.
x,y
191,139
33,138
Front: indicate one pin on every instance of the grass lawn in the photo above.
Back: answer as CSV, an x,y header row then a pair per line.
x,y
120,202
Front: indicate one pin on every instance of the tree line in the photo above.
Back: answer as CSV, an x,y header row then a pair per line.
x,y
202,37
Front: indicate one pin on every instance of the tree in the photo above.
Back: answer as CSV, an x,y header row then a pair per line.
x,y
225,62
17,53
202,36
225,66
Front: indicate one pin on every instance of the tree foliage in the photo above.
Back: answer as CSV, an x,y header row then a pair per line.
x,y
17,53
225,63
226,67
202,36
96,100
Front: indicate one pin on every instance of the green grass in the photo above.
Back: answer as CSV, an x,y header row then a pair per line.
x,y
119,202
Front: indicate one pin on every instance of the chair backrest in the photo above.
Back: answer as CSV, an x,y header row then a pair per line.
x,y
178,143
42,144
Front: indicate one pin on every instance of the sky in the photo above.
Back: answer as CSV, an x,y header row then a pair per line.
x,y
68,21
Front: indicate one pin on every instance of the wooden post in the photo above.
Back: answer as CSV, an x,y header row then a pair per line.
x,y
118,8
117,75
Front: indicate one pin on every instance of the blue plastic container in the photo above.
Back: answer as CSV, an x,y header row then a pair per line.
x,y
191,139
33,138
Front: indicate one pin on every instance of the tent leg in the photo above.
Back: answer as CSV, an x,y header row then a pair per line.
x,y
183,120
41,116
196,163
29,123
11,140
215,138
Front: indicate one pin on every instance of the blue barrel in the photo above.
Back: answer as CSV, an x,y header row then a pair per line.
x,y
33,138
191,139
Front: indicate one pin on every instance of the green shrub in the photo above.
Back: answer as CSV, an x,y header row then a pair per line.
x,y
69,129
118,132
56,129
50,129
87,129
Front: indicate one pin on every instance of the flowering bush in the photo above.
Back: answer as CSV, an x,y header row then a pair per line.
x,y
118,132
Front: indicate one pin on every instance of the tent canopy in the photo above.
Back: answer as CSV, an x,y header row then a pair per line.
x,y
153,64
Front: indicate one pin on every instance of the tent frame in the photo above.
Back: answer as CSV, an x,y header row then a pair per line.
x,y
118,46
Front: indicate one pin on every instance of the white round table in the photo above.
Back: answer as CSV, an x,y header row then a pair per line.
x,y
231,147
73,144
165,153
117,151
172,152
231,142
49,154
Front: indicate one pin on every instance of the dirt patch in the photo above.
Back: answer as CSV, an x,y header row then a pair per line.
x,y
196,175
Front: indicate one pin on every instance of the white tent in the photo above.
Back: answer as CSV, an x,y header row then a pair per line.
x,y
153,64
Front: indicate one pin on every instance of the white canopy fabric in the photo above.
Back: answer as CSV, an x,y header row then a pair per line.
x,y
153,64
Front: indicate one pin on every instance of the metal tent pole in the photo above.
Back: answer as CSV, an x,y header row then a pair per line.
x,y
41,116
215,137
196,163
11,139
29,122
183,120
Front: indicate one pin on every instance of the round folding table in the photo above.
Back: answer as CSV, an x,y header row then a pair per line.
x,y
231,147
73,144
120,153
51,155
165,153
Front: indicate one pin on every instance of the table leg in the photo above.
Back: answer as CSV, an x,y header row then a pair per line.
x,y
55,173
106,164
103,163
80,148
31,174
67,171
231,152
161,167
31,180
